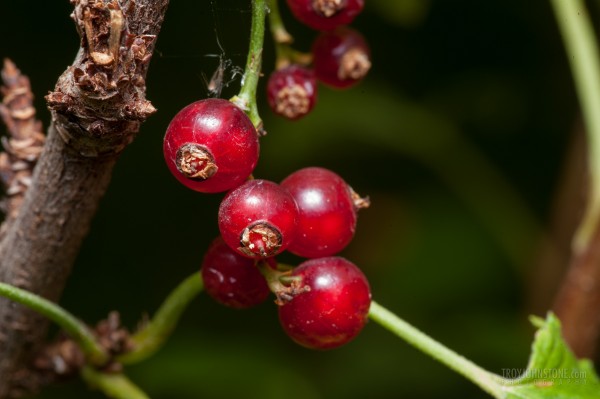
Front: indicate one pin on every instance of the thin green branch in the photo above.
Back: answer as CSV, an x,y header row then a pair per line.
x,y
115,386
246,99
76,329
284,53
280,34
487,381
582,51
152,336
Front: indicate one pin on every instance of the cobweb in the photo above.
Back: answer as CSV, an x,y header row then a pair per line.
x,y
214,45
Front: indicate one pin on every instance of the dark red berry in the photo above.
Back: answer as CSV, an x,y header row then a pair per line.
x,y
211,146
327,208
325,14
334,307
292,91
258,219
231,279
341,57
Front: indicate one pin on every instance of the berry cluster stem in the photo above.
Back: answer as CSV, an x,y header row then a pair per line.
x,y
246,99
76,329
152,336
580,43
487,381
115,386
280,34
285,54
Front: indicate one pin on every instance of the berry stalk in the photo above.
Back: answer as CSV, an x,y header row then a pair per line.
x,y
280,34
582,50
579,294
487,381
76,329
284,53
246,99
152,336
113,385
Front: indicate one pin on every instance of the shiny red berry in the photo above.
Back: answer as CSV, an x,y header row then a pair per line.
x,y
341,57
334,307
258,219
292,91
325,14
211,146
231,279
327,208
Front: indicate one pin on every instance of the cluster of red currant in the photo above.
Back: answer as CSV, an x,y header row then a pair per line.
x,y
340,57
212,146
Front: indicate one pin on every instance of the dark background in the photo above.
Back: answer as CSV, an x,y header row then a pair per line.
x,y
458,135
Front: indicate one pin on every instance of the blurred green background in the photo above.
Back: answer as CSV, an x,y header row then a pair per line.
x,y
459,136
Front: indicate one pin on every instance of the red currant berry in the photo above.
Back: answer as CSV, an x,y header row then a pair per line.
x,y
292,91
327,208
334,307
341,58
211,146
231,279
325,14
258,219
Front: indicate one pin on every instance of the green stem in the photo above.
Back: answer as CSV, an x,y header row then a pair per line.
x,y
487,381
582,51
246,99
151,337
280,34
77,330
284,53
115,386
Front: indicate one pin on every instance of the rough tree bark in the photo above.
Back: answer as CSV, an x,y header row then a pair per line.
x,y
97,107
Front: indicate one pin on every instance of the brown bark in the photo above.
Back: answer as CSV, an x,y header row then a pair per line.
x,y
97,107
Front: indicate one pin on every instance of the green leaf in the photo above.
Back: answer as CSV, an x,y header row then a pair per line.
x,y
553,371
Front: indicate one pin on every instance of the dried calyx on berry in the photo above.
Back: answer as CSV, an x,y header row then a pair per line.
x,y
195,161
341,58
292,91
325,14
260,238
328,8
211,146
281,282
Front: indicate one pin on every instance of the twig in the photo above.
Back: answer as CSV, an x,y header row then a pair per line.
x,y
115,386
97,108
80,333
246,99
153,335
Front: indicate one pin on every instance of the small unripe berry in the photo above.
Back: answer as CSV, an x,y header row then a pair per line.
x,y
341,58
292,91
211,146
325,14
